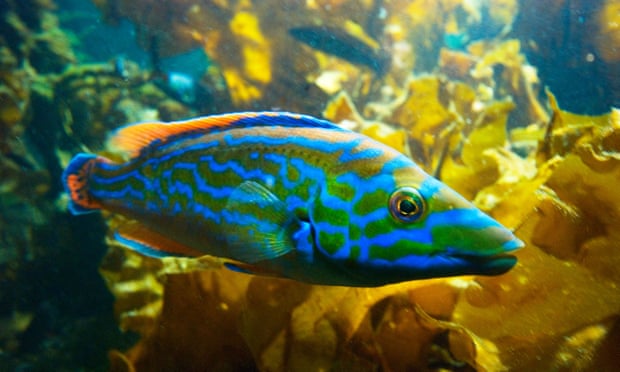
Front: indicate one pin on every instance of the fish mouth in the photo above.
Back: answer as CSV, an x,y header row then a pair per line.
x,y
496,262
487,265
512,245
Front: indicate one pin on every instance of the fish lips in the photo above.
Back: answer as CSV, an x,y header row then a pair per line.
x,y
493,264
489,265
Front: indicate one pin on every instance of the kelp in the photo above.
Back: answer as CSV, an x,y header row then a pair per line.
x,y
258,49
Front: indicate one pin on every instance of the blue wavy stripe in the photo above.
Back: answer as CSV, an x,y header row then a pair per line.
x,y
126,192
285,119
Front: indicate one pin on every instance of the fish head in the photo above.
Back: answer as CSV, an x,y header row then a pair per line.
x,y
412,226
463,239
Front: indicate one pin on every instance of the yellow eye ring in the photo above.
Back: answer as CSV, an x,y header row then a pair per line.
x,y
406,205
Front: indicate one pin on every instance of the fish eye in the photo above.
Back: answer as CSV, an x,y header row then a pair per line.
x,y
406,204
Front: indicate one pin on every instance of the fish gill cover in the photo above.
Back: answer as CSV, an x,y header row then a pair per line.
x,y
457,95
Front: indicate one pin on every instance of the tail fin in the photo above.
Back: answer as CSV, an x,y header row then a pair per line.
x,y
75,179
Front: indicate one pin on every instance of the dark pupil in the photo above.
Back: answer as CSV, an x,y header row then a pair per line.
x,y
407,207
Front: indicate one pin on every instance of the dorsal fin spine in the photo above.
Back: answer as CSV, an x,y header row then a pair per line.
x,y
134,138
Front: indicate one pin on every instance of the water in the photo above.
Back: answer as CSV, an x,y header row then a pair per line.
x,y
461,88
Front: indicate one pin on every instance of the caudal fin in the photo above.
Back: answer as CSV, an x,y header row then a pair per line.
x,y
75,179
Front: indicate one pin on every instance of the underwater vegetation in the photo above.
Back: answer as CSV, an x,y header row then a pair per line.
x,y
474,92
576,39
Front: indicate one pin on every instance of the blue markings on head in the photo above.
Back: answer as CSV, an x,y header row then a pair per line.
x,y
512,245
398,163
431,187
472,218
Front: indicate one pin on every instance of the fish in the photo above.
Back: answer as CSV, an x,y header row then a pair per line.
x,y
178,85
286,195
343,44
120,67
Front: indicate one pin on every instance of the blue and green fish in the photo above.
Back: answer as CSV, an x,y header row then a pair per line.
x,y
287,195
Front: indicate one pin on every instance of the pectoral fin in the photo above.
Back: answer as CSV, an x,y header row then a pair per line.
x,y
260,227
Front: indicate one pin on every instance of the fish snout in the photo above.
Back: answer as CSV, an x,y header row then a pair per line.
x,y
476,242
481,235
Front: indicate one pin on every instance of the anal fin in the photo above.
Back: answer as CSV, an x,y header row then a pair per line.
x,y
150,243
244,268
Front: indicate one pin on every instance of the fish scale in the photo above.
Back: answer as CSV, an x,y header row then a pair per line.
x,y
287,195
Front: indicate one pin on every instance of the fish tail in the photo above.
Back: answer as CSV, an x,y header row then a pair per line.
x,y
75,179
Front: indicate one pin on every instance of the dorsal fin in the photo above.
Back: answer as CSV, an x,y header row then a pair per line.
x,y
133,139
